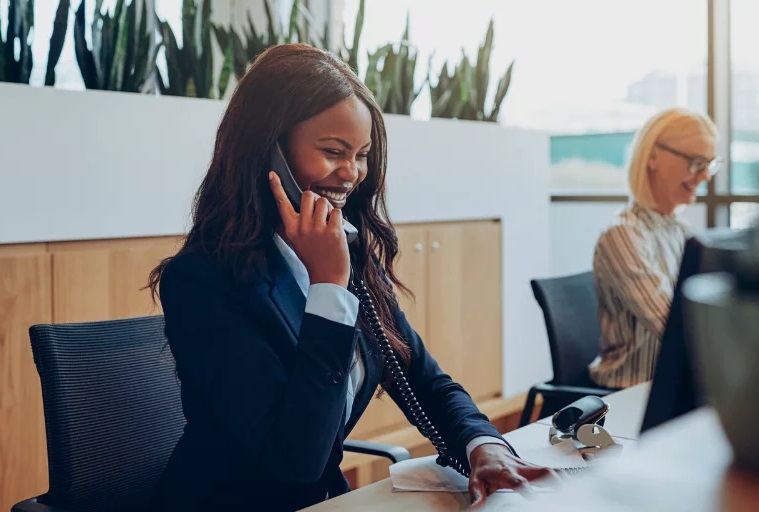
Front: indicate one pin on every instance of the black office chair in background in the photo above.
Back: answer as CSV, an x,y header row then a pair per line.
x,y
570,311
113,414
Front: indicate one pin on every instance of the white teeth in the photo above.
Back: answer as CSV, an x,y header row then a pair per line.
x,y
336,196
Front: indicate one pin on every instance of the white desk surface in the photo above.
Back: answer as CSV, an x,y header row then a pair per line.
x,y
379,496
625,415
684,465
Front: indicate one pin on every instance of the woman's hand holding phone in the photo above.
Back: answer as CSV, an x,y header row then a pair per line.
x,y
315,234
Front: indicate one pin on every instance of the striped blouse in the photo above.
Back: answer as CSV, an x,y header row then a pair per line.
x,y
635,267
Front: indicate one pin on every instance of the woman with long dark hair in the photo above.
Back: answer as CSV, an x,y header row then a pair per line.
x,y
262,316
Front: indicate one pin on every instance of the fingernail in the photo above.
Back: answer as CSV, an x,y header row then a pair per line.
x,y
271,175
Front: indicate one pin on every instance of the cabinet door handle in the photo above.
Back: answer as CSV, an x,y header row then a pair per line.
x,y
418,247
435,245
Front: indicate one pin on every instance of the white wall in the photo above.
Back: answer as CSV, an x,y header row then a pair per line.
x,y
88,165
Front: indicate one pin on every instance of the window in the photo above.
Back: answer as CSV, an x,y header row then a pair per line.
x,y
589,72
744,150
744,215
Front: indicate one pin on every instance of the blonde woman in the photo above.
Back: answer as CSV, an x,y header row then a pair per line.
x,y
637,257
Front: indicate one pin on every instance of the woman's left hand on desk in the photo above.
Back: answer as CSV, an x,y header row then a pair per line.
x,y
494,467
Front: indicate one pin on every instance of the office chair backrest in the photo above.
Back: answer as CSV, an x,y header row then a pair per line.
x,y
112,411
571,315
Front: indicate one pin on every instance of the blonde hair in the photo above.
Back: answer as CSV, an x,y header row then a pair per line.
x,y
666,127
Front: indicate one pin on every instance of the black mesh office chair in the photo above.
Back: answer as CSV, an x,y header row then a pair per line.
x,y
113,414
571,316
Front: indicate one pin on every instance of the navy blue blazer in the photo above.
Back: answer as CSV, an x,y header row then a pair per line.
x,y
264,389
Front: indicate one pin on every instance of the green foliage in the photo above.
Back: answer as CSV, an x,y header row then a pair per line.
x,y
463,93
20,30
60,27
122,55
245,50
242,51
190,68
351,54
390,75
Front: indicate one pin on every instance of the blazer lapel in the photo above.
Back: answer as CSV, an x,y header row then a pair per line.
x,y
285,292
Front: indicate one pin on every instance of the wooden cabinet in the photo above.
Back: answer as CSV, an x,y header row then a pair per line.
x,y
25,299
103,280
411,268
57,282
454,271
464,304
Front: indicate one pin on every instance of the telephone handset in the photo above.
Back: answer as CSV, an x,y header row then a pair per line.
x,y
278,164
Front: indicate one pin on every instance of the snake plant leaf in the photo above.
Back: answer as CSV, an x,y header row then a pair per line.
x,y
120,43
357,30
462,94
143,53
240,55
225,40
326,36
371,77
222,36
19,33
97,47
425,82
60,27
123,50
13,69
190,67
176,77
189,15
226,70
11,65
2,52
25,40
104,58
440,93
500,94
84,56
128,79
391,75
482,71
255,44
273,33
294,34
204,80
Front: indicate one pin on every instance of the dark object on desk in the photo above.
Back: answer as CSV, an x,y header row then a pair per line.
x,y
588,410
723,312
674,389
570,311
113,414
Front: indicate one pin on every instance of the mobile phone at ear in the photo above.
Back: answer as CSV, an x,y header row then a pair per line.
x,y
278,164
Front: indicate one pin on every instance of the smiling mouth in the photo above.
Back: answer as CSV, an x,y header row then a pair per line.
x,y
336,197
689,188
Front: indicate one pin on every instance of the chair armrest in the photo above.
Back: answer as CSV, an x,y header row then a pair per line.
x,y
34,505
579,391
392,452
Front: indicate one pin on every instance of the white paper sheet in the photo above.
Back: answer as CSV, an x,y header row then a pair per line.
x,y
423,474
